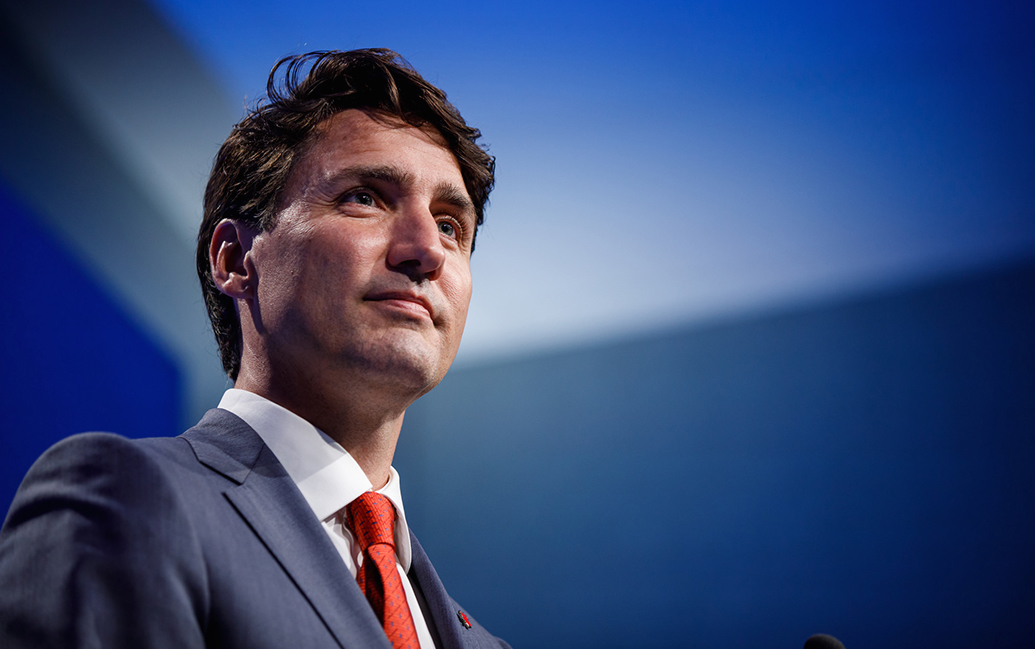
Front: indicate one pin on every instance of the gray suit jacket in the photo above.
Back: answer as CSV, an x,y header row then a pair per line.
x,y
201,540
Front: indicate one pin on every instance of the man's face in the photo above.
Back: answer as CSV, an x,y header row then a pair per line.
x,y
366,277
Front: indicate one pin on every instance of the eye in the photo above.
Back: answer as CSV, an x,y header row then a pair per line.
x,y
449,229
360,198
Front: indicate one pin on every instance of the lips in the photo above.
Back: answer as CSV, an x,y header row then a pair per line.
x,y
405,301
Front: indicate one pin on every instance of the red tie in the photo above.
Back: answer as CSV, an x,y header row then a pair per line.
x,y
371,517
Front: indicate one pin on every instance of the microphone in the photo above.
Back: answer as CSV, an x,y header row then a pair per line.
x,y
823,641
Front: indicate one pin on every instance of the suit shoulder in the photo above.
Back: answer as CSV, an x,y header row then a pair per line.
x,y
98,544
102,448
90,469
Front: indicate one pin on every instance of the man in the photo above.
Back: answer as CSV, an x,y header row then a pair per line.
x,y
334,255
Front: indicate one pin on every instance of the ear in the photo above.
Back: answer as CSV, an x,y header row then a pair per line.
x,y
229,256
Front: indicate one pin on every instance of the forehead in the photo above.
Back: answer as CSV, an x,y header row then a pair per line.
x,y
355,138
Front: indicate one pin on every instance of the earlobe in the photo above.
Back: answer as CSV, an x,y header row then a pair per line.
x,y
228,254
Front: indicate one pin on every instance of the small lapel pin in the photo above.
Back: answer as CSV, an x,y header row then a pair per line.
x,y
463,619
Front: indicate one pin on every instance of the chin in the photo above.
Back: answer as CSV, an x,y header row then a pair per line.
x,y
406,366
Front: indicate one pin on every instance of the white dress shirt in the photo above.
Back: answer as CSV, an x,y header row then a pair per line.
x,y
329,479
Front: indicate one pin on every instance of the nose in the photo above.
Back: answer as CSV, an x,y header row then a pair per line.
x,y
416,246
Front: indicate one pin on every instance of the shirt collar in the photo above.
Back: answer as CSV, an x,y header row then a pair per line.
x,y
328,477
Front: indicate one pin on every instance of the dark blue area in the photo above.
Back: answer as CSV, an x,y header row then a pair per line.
x,y
71,360
864,468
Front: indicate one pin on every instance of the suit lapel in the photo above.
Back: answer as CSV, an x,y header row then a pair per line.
x,y
268,500
441,608
444,611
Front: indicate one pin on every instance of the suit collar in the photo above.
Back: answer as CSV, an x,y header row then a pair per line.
x,y
326,474
225,444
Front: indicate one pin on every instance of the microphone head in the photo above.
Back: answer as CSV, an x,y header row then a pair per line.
x,y
823,641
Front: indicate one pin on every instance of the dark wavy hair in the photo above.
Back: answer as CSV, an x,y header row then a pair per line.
x,y
253,165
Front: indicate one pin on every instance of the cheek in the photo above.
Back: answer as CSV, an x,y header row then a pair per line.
x,y
304,272
458,292
343,248
335,262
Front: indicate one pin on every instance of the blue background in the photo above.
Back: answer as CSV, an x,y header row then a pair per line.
x,y
750,355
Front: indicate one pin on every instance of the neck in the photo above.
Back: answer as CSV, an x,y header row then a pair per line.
x,y
366,425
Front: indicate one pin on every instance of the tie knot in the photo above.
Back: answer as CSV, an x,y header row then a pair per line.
x,y
371,517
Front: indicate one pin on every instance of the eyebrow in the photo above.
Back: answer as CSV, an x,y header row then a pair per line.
x,y
445,192
452,195
383,173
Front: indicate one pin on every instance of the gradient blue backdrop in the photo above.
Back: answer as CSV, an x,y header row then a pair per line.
x,y
755,293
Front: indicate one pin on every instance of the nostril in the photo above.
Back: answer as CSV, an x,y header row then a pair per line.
x,y
413,270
